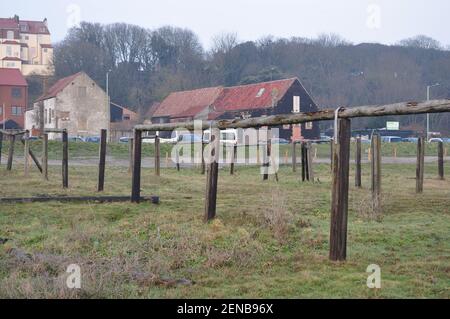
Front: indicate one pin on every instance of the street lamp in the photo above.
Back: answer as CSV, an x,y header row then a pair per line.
x,y
428,114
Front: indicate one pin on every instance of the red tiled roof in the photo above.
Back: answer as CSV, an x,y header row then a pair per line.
x,y
34,27
182,104
254,96
12,77
8,23
10,42
60,85
8,58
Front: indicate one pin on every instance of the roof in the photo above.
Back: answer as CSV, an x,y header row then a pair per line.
x,y
12,77
47,46
34,27
221,100
11,42
60,85
8,23
152,109
254,96
10,58
187,103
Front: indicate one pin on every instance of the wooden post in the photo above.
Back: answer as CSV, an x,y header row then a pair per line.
x,y
130,155
294,157
177,157
358,156
65,160
233,159
12,139
1,146
339,206
45,156
102,161
376,174
420,164
203,159
304,152
266,155
157,156
212,177
136,181
310,162
441,160
26,155
331,153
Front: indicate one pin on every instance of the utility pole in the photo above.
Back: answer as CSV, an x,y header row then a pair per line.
x,y
428,114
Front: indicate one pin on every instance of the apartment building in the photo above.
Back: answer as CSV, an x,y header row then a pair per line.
x,y
26,45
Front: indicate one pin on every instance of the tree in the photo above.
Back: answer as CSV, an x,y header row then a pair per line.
x,y
422,42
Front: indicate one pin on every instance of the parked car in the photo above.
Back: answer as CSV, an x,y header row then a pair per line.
x,y
227,137
92,139
410,140
75,139
280,141
324,139
189,139
446,140
391,139
436,140
124,140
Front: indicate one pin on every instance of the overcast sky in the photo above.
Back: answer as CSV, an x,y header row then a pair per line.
x,y
384,21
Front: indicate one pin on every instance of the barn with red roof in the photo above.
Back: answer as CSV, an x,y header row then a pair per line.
x,y
240,102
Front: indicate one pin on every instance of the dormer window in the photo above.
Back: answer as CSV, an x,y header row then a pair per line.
x,y
23,28
261,92
10,35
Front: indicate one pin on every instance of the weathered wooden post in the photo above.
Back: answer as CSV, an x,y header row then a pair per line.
x,y
65,160
136,181
212,176
294,157
420,164
376,174
266,155
441,160
339,205
102,161
233,158
26,155
130,155
203,159
45,156
177,157
305,168
310,162
1,146
157,156
12,139
358,156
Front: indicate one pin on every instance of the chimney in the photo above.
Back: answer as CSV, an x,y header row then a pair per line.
x,y
16,17
45,22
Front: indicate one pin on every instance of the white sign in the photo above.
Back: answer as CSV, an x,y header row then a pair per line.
x,y
393,126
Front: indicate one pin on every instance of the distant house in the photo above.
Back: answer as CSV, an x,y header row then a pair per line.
x,y
241,102
75,103
123,121
13,98
26,46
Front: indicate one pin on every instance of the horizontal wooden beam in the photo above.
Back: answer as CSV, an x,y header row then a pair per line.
x,y
98,199
404,108
13,134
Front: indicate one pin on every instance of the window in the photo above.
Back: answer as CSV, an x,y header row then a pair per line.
x,y
10,35
16,93
296,108
309,125
45,50
261,92
8,50
16,110
10,65
81,91
27,38
65,116
24,28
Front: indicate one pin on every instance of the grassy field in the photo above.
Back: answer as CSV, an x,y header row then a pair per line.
x,y
120,151
270,240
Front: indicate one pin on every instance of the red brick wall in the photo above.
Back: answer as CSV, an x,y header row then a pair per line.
x,y
9,101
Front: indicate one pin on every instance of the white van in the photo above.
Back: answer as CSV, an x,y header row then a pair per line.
x,y
227,137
